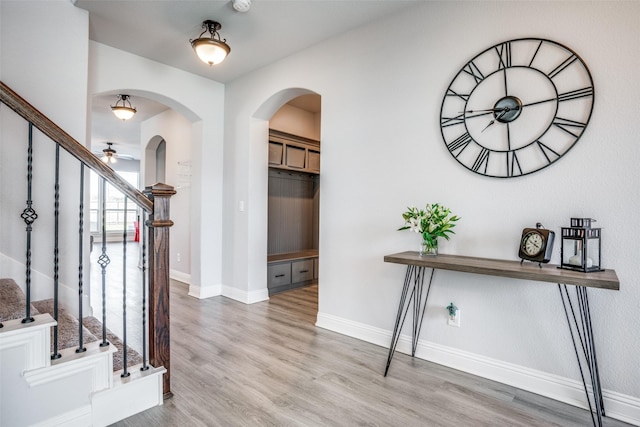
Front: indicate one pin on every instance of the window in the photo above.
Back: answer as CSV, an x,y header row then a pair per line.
x,y
114,206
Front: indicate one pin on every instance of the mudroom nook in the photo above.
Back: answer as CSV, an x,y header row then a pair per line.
x,y
294,196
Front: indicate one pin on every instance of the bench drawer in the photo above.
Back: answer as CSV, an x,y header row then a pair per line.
x,y
278,274
302,270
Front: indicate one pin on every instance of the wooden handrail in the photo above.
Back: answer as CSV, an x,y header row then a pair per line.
x,y
76,149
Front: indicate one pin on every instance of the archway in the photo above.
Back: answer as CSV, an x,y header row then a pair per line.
x,y
259,143
161,131
155,155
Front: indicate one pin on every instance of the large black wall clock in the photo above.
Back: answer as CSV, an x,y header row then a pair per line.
x,y
517,107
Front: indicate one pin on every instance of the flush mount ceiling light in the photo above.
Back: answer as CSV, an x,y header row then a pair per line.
x,y
211,50
124,111
109,155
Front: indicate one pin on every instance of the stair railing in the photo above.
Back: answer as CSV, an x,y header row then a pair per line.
x,y
154,202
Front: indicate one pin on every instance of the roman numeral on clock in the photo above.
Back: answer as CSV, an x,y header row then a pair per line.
x,y
546,150
482,159
472,69
568,125
459,144
504,55
463,96
576,94
452,121
512,164
563,66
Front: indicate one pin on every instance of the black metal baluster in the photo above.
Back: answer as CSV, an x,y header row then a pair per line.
x,y
56,260
29,216
80,348
104,261
125,373
143,227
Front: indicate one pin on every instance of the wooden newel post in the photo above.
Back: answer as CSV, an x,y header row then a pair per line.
x,y
159,223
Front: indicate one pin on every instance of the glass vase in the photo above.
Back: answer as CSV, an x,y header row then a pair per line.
x,y
429,248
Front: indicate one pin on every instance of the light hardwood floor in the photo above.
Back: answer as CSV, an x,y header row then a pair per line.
x,y
266,364
114,290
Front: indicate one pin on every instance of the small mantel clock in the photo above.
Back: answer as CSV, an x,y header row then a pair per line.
x,y
536,244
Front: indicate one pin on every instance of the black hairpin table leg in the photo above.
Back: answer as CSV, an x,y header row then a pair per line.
x,y
579,320
413,289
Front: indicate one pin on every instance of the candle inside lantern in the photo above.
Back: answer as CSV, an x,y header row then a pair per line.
x,y
577,260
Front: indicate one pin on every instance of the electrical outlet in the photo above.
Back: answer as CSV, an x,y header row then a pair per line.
x,y
178,257
454,320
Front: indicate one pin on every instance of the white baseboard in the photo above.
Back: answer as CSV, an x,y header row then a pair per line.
x,y
180,276
247,297
242,296
619,406
202,292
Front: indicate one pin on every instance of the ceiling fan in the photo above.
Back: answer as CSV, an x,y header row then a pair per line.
x,y
110,156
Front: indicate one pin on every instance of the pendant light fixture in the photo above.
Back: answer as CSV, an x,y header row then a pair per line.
x,y
109,156
123,109
211,50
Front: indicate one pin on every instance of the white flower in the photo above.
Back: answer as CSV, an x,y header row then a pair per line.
x,y
432,222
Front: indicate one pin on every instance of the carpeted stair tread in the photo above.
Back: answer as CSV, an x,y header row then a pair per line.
x,y
12,301
68,326
12,306
133,357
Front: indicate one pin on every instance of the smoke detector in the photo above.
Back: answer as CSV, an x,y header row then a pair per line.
x,y
241,5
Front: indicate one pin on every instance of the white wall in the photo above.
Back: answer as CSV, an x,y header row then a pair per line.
x,y
382,150
175,129
200,101
29,69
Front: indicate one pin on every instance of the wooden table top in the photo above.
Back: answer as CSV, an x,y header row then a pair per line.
x,y
606,279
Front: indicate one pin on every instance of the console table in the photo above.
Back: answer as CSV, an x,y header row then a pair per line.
x,y
576,309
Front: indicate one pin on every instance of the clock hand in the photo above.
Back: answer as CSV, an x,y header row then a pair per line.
x,y
504,111
540,102
506,90
489,110
473,116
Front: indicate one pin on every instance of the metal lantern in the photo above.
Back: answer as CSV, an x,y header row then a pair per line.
x,y
580,246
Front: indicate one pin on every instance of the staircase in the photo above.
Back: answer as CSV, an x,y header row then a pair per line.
x,y
84,389
57,366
